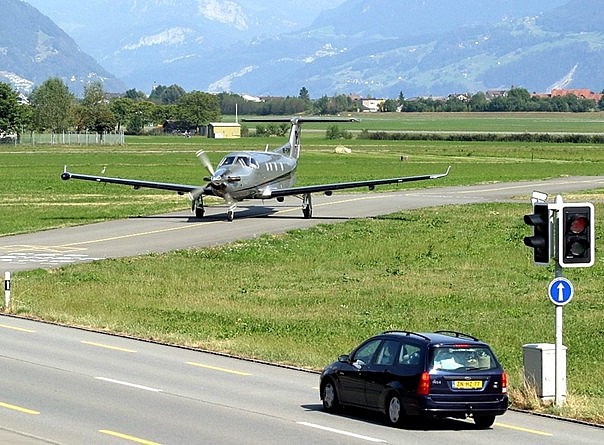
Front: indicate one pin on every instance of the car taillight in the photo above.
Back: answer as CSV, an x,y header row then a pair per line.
x,y
504,383
423,387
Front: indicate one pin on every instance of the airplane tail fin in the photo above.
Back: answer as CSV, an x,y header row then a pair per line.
x,y
293,146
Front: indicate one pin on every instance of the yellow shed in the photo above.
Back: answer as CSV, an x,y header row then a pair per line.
x,y
226,130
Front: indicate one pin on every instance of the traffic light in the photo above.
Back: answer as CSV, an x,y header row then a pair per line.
x,y
576,240
540,241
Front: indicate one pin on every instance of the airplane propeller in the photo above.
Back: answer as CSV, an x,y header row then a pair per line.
x,y
205,161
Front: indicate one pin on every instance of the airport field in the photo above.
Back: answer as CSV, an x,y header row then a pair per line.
x,y
458,267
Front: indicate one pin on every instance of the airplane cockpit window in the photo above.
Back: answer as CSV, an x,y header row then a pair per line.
x,y
243,161
229,160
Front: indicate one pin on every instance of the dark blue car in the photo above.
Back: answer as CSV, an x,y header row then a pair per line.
x,y
402,374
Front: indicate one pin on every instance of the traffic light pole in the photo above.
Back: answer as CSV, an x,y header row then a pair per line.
x,y
559,273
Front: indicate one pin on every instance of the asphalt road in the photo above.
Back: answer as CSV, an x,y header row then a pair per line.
x,y
161,233
68,386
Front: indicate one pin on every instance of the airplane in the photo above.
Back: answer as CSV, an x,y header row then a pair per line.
x,y
262,175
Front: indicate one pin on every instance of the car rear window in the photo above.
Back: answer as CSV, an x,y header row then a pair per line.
x,y
462,358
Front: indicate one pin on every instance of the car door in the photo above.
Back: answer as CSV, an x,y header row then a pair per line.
x,y
380,372
352,376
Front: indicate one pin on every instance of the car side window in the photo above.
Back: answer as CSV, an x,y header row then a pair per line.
x,y
387,353
365,352
410,355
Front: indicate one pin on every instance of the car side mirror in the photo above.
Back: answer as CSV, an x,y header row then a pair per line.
x,y
358,364
343,358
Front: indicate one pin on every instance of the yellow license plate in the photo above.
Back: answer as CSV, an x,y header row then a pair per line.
x,y
467,384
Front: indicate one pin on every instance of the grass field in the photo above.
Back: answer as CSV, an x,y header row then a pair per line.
x,y
459,267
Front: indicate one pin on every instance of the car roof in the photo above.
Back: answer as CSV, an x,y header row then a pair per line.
x,y
438,337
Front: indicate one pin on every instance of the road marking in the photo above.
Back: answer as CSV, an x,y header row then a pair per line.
x,y
131,385
128,437
101,345
524,430
18,408
342,432
216,368
12,328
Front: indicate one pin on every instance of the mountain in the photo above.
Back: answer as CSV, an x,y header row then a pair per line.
x,y
33,49
368,47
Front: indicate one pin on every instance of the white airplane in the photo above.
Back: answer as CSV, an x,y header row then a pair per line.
x,y
255,175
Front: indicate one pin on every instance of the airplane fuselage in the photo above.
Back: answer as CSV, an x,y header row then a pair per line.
x,y
252,175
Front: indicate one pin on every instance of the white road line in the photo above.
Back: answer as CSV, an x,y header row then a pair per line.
x,y
131,385
342,432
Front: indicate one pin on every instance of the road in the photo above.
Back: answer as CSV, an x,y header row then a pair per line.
x,y
161,233
69,386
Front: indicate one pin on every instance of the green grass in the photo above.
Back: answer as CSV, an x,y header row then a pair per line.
x,y
458,267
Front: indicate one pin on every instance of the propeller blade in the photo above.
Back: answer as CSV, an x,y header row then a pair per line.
x,y
205,161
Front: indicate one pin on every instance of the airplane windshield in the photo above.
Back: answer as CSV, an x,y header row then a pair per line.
x,y
243,161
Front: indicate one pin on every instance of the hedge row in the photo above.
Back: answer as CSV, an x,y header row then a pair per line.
x,y
485,137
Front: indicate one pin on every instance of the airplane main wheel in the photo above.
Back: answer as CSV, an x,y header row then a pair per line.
x,y
230,215
307,206
199,212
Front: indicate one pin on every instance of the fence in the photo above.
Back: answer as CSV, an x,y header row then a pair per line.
x,y
73,138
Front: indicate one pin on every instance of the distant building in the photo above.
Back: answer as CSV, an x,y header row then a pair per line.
x,y
582,93
224,130
371,105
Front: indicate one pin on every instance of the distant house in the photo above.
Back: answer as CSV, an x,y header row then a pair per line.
x,y
371,105
224,130
582,93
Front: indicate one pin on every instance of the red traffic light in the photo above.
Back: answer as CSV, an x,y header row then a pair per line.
x,y
576,244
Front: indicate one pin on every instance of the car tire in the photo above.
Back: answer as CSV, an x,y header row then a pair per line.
x,y
394,410
484,422
331,402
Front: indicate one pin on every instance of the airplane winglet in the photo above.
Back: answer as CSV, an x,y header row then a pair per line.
x,y
65,175
441,175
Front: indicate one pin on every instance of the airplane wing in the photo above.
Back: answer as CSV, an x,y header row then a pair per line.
x,y
179,188
348,185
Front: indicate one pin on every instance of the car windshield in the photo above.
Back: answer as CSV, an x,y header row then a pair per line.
x,y
462,358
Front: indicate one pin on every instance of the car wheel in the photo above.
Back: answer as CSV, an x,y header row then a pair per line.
x,y
394,410
330,397
484,421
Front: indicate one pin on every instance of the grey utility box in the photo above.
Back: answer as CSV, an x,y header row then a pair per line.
x,y
539,360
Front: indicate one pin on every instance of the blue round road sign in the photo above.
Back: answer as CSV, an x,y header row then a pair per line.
x,y
560,291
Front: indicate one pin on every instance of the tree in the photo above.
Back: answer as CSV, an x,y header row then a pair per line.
x,y
304,94
164,95
52,105
95,113
198,108
12,115
121,109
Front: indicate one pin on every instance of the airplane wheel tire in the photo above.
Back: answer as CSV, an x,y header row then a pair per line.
x,y
230,215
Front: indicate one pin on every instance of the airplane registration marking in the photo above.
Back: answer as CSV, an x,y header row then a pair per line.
x,y
128,437
13,328
216,368
101,345
524,430
18,408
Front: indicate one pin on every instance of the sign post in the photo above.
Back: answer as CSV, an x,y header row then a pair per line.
x,y
7,291
560,292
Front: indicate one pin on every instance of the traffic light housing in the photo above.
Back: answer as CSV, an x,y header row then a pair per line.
x,y
576,240
540,241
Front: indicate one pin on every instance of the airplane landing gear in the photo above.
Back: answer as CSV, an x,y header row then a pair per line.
x,y
231,212
198,208
307,206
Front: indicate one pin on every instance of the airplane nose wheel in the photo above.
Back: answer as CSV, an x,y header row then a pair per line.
x,y
307,206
